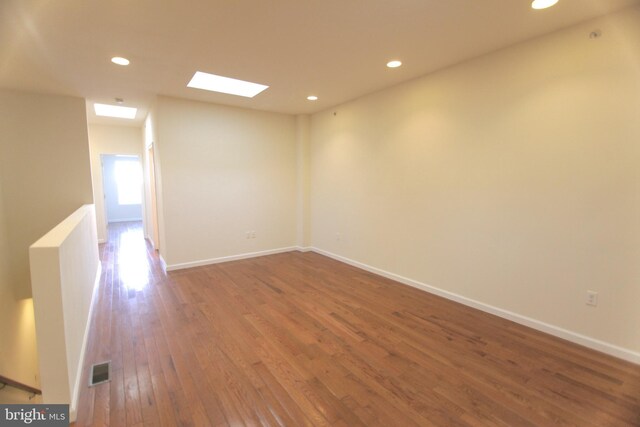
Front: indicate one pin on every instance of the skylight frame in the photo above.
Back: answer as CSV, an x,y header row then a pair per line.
x,y
115,111
226,85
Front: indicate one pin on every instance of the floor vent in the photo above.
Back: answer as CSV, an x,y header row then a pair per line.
x,y
99,373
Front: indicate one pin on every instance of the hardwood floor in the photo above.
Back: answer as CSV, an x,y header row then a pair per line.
x,y
298,339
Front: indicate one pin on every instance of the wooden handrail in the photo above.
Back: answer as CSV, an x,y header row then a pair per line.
x,y
16,384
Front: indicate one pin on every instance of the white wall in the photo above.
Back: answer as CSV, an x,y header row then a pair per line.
x,y
223,172
303,218
65,270
106,139
512,180
18,355
44,175
150,132
148,138
44,159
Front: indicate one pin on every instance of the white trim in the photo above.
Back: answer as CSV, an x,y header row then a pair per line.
x,y
153,244
163,263
124,220
73,407
306,249
592,343
184,265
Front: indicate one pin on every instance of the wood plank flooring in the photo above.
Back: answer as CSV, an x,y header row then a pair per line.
x,y
298,339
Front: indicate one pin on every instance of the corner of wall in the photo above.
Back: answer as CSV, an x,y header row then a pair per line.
x,y
303,134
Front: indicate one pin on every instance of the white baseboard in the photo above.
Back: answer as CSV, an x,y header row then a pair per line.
x,y
184,265
163,263
73,407
124,220
153,244
592,343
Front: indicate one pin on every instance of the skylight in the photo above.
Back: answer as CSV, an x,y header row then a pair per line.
x,y
228,85
543,4
115,111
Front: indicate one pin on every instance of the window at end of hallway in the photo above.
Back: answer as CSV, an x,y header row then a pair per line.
x,y
129,182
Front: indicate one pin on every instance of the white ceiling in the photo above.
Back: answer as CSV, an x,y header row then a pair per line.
x,y
335,49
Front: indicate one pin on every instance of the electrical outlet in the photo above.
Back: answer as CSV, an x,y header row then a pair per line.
x,y
248,235
592,298
338,237
253,234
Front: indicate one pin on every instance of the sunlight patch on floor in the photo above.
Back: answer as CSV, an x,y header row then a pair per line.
x,y
132,260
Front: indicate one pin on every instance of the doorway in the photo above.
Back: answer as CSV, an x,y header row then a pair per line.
x,y
152,196
122,184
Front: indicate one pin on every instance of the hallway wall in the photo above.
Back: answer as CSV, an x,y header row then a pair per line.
x,y
45,176
223,172
18,352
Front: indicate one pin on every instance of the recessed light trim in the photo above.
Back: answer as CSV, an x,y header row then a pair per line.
x,y
105,110
120,60
595,34
394,64
543,4
214,83
312,98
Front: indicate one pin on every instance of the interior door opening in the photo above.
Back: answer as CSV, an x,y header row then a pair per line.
x,y
122,186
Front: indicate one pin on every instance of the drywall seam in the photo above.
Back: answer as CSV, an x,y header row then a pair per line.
x,y
583,340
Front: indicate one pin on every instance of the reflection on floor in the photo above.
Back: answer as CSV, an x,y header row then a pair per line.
x,y
131,256
129,267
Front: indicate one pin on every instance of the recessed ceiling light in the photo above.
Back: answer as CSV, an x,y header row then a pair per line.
x,y
120,60
312,98
115,111
228,85
394,64
543,4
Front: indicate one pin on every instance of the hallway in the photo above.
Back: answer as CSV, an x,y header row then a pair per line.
x,y
298,339
121,331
